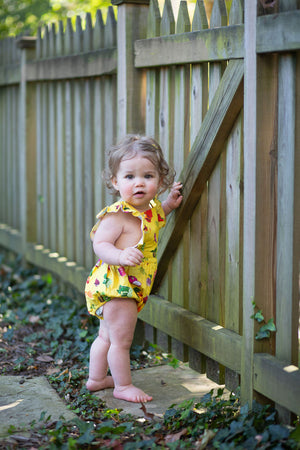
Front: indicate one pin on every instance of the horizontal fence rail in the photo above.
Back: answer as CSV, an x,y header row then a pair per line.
x,y
69,93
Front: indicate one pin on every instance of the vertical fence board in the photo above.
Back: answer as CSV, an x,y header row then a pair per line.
x,y
233,229
69,172
52,40
288,240
5,155
52,173
152,86
180,262
266,191
234,223
99,156
31,191
249,256
236,14
233,250
296,306
39,186
166,108
165,137
69,38
45,166
59,42
2,153
10,155
78,36
88,34
98,34
216,207
13,174
287,290
60,129
87,205
110,94
166,87
78,171
199,77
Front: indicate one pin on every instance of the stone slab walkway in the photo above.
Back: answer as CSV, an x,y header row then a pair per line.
x,y
21,403
166,385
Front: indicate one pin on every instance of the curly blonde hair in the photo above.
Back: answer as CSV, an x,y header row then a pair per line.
x,y
129,147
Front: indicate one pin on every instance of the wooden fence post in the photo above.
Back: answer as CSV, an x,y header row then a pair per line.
x,y
249,259
27,147
288,238
131,92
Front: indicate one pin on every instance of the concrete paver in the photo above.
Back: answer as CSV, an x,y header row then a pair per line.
x,y
21,403
166,385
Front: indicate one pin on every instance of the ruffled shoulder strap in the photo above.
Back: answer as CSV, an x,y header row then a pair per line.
x,y
115,207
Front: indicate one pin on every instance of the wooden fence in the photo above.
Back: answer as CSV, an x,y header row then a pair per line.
x,y
221,93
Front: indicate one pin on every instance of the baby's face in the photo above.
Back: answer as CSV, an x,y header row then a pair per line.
x,y
138,181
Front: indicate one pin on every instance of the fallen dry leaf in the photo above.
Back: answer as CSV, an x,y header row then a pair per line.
x,y
207,436
34,319
147,415
62,373
52,370
45,358
32,367
176,436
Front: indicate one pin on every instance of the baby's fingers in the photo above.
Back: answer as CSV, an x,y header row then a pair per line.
x,y
131,257
177,187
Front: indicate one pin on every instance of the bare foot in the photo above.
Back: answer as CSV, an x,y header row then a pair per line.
x,y
131,393
98,385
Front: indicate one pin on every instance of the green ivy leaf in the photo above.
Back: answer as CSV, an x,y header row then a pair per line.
x,y
296,434
269,326
83,333
262,335
259,317
278,432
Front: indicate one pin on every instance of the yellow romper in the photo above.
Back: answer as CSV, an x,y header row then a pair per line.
x,y
108,281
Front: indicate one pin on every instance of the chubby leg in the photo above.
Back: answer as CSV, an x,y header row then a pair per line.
x,y
98,378
120,316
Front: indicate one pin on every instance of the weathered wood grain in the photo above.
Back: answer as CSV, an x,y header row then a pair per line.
x,y
272,35
204,154
203,335
197,46
220,43
272,376
80,88
100,62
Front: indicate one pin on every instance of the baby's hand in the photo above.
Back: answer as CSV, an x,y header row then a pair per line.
x,y
175,195
131,256
174,198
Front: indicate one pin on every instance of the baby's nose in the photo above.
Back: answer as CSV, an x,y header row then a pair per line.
x,y
139,181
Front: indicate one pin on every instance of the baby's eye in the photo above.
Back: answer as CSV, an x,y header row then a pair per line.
x,y
148,175
129,177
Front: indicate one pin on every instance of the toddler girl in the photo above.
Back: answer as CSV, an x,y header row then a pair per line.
x,y
125,241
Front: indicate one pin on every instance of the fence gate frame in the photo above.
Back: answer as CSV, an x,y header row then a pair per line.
x,y
109,73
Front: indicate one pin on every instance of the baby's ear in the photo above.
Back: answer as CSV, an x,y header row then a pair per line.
x,y
114,182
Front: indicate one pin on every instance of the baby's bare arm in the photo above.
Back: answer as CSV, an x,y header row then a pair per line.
x,y
109,231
